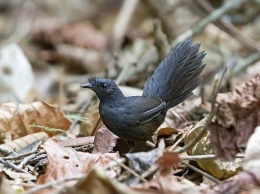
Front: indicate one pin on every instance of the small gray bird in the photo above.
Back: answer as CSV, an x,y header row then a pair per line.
x,y
136,118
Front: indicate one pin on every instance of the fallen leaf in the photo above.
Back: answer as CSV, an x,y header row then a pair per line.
x,y
237,116
104,141
82,34
17,118
167,161
215,167
252,155
244,181
26,143
66,162
98,181
162,132
168,184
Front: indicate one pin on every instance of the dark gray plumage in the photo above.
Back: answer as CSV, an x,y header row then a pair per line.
x,y
136,118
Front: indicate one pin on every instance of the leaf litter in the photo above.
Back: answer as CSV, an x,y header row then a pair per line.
x,y
89,158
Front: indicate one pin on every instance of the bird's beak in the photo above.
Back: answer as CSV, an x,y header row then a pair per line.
x,y
88,85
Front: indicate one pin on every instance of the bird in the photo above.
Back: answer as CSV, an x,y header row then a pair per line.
x,y
136,118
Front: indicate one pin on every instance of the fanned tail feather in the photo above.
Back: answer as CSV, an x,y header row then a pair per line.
x,y
177,75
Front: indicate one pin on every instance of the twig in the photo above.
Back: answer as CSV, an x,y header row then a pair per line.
x,y
26,160
230,28
128,169
205,157
200,26
175,144
160,38
150,171
53,183
115,163
245,63
38,158
122,22
201,172
12,166
80,113
209,117
242,66
61,87
18,156
157,9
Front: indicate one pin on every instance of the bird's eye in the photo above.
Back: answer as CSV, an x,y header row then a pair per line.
x,y
104,85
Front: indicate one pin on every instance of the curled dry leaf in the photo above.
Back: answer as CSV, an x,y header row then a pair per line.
x,y
217,168
236,119
17,118
104,141
25,142
65,162
250,177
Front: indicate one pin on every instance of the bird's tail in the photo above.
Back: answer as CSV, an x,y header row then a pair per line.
x,y
177,75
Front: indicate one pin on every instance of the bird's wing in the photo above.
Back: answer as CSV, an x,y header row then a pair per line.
x,y
142,109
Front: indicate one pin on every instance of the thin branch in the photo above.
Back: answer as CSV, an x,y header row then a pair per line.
x,y
240,67
231,29
129,169
161,41
12,166
18,156
122,22
201,172
205,157
26,160
215,15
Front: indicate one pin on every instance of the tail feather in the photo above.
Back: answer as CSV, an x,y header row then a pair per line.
x,y
177,75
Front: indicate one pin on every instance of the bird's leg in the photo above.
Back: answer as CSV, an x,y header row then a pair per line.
x,y
131,145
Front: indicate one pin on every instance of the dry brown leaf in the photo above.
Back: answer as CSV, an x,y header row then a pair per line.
x,y
168,185
236,119
98,181
244,181
249,178
20,143
217,168
252,155
104,141
162,132
167,161
82,34
65,162
17,118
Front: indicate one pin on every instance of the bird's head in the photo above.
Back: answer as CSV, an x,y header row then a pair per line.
x,y
104,88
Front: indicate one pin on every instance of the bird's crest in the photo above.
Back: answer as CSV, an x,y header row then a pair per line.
x,y
93,80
